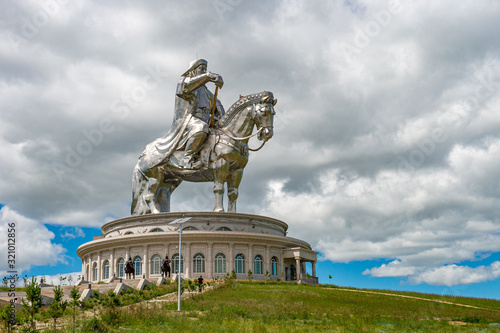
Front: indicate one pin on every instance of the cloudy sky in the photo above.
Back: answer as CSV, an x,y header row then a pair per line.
x,y
387,135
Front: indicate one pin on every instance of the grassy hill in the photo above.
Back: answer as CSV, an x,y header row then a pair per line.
x,y
284,307
239,306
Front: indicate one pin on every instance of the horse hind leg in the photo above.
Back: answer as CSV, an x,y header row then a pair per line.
x,y
220,175
164,193
233,183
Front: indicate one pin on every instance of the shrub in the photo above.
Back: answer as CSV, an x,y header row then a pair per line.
x,y
94,325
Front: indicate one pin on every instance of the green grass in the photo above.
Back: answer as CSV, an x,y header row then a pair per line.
x,y
287,307
272,307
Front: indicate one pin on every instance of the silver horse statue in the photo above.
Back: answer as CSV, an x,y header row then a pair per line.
x,y
225,155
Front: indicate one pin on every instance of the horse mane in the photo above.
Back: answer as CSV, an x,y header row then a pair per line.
x,y
240,105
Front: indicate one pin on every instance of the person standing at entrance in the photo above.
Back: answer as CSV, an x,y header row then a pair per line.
x,y
200,282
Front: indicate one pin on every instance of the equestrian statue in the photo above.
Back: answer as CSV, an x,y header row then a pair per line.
x,y
165,267
204,143
129,269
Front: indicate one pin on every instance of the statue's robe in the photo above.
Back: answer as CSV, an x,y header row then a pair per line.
x,y
188,120
187,106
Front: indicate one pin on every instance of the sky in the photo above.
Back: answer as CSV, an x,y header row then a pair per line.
x,y
386,147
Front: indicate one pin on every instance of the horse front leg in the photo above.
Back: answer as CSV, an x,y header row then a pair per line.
x,y
233,182
220,175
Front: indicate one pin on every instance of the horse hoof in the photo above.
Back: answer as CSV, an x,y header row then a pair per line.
x,y
219,210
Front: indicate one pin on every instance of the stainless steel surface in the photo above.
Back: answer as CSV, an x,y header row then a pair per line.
x,y
193,151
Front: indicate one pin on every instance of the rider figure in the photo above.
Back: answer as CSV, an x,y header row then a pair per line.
x,y
194,100
130,268
166,265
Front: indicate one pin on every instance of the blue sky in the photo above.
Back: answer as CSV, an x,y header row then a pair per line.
x,y
348,275
386,148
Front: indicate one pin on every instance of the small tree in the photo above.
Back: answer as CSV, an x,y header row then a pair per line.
x,y
6,316
62,280
268,276
190,286
75,301
70,280
57,306
249,275
111,301
227,278
330,279
5,282
33,301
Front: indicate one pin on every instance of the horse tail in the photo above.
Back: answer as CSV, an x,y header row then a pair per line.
x,y
140,190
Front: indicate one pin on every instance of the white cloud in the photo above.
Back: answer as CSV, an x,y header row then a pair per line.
x,y
451,275
56,279
394,154
78,233
393,269
33,242
425,218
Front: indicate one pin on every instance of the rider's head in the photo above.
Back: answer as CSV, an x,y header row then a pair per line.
x,y
196,67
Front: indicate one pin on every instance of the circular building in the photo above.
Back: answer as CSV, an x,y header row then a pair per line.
x,y
213,244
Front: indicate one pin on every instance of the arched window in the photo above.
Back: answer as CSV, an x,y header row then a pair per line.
x,y
199,263
189,229
156,264
138,266
121,267
157,230
105,270
257,265
223,229
175,263
274,266
220,263
94,272
239,264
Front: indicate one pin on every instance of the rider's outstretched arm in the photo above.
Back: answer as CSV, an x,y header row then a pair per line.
x,y
194,82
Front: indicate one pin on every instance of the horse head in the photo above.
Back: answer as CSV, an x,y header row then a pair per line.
x,y
264,116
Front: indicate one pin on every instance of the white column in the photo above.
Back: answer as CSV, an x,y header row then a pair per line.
x,y
314,268
112,263
145,265
89,268
209,264
267,261
99,268
250,259
299,271
187,261
230,259
83,269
